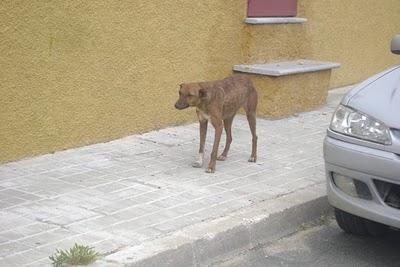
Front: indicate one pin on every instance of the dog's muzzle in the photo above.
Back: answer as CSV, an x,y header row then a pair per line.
x,y
181,106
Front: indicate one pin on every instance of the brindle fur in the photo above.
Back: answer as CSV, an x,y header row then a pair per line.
x,y
218,102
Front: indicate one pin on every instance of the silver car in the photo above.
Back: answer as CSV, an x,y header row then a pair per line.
x,y
362,154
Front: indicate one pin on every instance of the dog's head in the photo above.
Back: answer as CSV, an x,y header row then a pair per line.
x,y
190,95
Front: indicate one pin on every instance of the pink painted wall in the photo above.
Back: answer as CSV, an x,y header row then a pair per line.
x,y
272,8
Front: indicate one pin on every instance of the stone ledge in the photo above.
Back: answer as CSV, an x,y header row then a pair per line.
x,y
275,20
286,67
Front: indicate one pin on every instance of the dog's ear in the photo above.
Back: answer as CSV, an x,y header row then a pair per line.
x,y
202,93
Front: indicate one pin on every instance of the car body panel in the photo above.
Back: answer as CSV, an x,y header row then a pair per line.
x,y
395,146
363,208
365,164
379,97
376,163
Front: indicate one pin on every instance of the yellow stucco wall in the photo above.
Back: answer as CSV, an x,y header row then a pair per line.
x,y
355,33
79,72
281,96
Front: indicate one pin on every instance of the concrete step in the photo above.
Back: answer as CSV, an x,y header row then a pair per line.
x,y
286,67
274,20
288,87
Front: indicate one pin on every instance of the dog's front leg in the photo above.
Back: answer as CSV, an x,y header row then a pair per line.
x,y
218,125
203,134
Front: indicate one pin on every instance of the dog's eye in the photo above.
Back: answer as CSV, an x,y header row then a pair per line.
x,y
191,94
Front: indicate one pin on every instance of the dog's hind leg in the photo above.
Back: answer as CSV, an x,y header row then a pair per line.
x,y
228,131
250,108
218,125
203,134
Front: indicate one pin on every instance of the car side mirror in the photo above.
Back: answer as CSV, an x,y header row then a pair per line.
x,y
395,45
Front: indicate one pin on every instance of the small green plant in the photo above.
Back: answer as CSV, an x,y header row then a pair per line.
x,y
77,255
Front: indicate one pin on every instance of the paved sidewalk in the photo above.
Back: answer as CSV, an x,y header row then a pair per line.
x,y
140,188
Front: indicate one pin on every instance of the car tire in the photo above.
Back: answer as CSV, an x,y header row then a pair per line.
x,y
358,226
376,229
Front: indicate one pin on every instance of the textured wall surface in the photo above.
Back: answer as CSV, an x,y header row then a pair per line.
x,y
355,33
282,96
78,72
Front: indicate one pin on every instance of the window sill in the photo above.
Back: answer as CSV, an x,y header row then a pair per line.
x,y
275,20
287,67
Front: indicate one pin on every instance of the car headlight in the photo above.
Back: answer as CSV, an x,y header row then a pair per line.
x,y
356,124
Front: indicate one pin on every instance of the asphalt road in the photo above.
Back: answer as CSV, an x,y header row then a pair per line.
x,y
323,245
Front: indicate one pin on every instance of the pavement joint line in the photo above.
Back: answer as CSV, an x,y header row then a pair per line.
x,y
140,194
140,228
190,213
239,217
79,190
162,222
66,167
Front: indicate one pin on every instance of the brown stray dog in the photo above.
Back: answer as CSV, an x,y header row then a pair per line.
x,y
219,101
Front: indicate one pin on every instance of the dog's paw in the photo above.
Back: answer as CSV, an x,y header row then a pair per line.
x,y
210,170
221,158
252,159
197,164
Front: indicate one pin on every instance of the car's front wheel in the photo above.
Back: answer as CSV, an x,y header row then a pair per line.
x,y
358,226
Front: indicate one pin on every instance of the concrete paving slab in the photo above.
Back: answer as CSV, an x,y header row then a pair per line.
x,y
139,201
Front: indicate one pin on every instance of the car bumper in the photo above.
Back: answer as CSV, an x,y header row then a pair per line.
x,y
365,164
